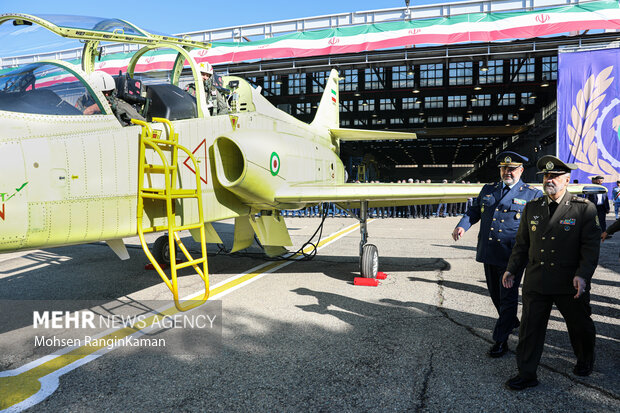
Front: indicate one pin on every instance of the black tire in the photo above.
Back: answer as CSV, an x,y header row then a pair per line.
x,y
161,250
369,261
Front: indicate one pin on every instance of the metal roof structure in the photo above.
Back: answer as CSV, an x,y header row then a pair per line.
x,y
466,101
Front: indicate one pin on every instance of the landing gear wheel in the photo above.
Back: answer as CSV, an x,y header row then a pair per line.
x,y
161,250
369,261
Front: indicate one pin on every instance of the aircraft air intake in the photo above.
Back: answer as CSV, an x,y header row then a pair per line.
x,y
229,160
239,167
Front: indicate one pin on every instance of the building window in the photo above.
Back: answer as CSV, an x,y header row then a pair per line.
x,y
318,81
435,119
348,80
528,98
550,67
253,80
522,70
346,106
433,102
496,117
454,118
457,101
482,101
359,122
272,85
507,99
376,121
411,103
396,121
303,108
366,105
374,78
431,75
460,73
494,74
401,78
475,118
296,83
386,104
416,119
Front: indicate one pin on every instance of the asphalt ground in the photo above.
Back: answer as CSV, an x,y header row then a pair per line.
x,y
304,338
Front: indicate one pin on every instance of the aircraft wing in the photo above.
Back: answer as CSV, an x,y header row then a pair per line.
x,y
380,194
350,195
345,134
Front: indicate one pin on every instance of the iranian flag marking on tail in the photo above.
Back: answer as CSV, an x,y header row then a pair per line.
x,y
334,96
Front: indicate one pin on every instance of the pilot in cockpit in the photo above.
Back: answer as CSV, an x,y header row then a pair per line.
x,y
215,99
104,82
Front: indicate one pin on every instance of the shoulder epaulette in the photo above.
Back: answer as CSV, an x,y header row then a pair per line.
x,y
537,199
575,198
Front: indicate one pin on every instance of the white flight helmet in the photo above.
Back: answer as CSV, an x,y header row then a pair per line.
x,y
205,67
102,81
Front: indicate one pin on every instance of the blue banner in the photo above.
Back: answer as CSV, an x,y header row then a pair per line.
x,y
589,114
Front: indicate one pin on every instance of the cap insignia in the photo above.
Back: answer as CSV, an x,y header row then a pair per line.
x,y
508,159
549,165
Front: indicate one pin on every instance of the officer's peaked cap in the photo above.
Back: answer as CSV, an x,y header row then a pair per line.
x,y
508,158
551,164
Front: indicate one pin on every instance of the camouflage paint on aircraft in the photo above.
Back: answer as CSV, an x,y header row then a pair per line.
x,y
4,197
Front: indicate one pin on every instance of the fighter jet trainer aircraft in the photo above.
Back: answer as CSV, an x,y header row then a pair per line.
x,y
72,176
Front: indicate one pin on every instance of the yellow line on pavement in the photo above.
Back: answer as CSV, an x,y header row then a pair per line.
x,y
18,388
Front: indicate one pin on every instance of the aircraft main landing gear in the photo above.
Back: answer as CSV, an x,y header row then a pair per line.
x,y
369,254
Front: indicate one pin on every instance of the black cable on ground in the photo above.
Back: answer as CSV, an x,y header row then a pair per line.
x,y
307,256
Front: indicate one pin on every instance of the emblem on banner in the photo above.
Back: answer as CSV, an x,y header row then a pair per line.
x,y
582,133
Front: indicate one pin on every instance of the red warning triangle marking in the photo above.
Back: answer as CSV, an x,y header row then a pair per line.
x,y
201,162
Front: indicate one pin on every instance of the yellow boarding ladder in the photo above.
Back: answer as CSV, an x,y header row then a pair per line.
x,y
150,141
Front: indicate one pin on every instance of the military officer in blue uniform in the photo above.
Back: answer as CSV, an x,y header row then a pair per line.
x,y
498,207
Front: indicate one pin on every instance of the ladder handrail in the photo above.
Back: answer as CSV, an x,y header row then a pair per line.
x,y
170,183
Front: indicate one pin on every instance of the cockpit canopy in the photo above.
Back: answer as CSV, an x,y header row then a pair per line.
x,y
43,88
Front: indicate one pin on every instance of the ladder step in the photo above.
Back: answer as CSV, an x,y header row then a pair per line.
x,y
174,229
190,263
163,141
183,192
160,193
158,168
187,227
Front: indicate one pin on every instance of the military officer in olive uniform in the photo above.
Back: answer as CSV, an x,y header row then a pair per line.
x,y
498,207
558,243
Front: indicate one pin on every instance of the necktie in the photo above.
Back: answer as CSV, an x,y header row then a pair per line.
x,y
505,190
552,207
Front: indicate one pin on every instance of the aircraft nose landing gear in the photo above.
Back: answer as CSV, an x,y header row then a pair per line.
x,y
369,254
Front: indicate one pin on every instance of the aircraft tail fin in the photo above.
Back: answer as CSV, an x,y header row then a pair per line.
x,y
328,112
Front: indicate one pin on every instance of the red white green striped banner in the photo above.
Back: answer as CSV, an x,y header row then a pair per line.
x,y
476,27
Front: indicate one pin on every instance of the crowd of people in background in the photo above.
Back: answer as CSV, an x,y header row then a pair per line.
x,y
425,211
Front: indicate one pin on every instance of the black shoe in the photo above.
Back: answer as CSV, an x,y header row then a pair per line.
x,y
518,383
499,349
583,368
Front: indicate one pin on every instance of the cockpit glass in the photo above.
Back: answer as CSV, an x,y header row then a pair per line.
x,y
42,88
92,23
